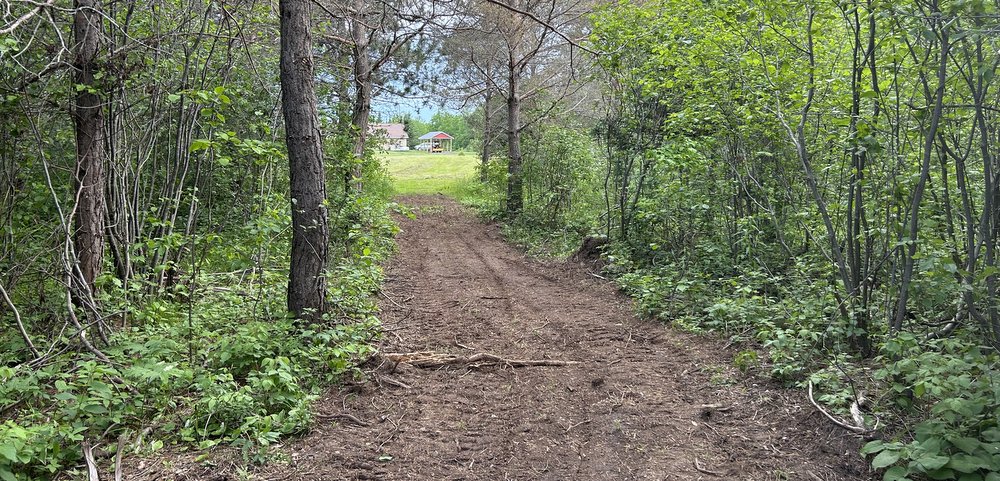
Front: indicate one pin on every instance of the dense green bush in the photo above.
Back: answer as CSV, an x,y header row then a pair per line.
x,y
229,367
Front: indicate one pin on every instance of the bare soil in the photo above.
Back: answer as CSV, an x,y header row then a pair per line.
x,y
642,402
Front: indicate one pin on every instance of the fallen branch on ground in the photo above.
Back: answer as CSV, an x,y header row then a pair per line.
x,y
581,423
393,382
428,359
88,456
700,469
350,417
857,414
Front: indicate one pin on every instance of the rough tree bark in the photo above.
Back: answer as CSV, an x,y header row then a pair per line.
x,y
487,134
310,232
515,167
88,117
362,109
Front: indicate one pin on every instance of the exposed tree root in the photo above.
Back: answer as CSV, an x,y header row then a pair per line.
x,y
429,359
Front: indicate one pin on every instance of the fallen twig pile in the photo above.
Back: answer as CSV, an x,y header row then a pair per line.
x,y
429,359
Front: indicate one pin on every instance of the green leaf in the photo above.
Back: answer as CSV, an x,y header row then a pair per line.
x,y
971,477
6,475
930,461
200,144
872,447
65,396
943,474
967,445
887,458
95,409
9,451
895,473
965,463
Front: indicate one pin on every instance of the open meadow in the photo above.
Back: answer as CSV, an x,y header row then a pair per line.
x,y
416,172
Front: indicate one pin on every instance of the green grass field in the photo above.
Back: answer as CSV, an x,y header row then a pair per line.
x,y
425,173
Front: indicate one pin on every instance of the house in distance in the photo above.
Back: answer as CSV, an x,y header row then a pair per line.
x,y
393,136
436,141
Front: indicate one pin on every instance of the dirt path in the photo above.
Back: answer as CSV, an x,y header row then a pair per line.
x,y
633,408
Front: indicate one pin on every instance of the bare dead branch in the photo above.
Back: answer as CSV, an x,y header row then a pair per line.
x,y
838,422
545,24
17,320
24,18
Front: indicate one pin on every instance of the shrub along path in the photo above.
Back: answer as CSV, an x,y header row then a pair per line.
x,y
643,401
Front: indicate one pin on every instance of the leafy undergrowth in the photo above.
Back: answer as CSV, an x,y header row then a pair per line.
x,y
933,404
212,361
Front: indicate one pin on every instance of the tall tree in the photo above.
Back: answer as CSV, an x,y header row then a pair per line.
x,y
377,36
88,117
530,39
310,233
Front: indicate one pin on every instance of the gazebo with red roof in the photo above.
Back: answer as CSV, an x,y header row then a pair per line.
x,y
437,141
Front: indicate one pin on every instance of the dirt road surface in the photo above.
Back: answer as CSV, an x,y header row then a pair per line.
x,y
628,399
643,402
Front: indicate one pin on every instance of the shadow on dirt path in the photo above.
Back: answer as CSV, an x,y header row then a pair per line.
x,y
643,402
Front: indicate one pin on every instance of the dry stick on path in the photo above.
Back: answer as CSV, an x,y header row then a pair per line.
x,y
431,359
700,469
350,417
394,382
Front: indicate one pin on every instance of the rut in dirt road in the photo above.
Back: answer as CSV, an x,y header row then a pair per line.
x,y
642,401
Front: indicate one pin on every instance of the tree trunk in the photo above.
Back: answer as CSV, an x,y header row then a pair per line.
x,y
310,233
88,117
359,119
515,177
910,252
362,94
487,134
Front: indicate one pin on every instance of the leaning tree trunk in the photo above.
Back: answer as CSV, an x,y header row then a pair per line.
x,y
310,233
515,174
88,117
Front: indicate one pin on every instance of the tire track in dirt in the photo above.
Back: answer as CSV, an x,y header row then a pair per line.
x,y
631,409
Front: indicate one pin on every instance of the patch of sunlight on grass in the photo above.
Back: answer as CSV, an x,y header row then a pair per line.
x,y
424,173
